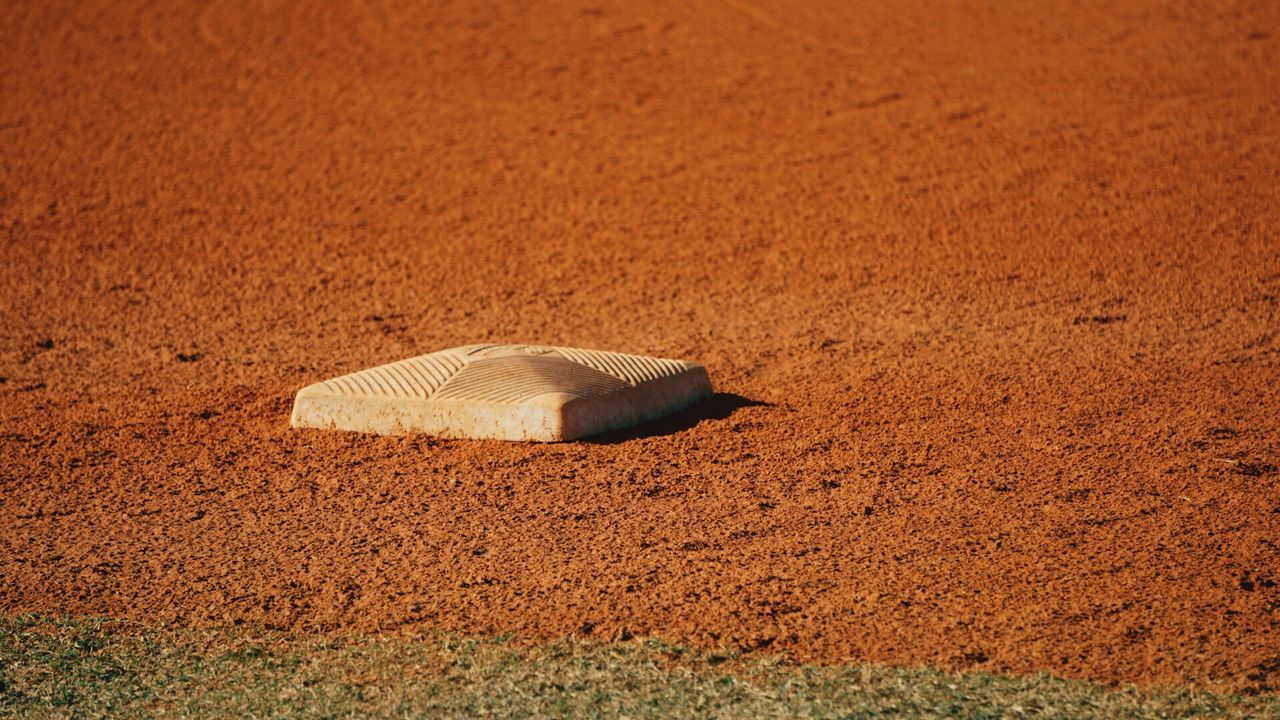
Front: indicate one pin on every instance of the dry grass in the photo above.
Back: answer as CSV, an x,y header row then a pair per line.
x,y
97,668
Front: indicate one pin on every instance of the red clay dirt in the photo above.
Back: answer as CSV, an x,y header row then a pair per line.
x,y
991,294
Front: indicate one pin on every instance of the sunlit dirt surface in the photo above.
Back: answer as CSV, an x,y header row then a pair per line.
x,y
990,294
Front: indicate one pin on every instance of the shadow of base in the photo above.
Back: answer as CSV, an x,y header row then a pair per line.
x,y
717,407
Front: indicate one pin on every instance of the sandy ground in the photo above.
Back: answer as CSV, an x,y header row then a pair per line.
x,y
991,294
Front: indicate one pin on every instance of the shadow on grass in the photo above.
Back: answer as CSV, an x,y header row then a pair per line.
x,y
717,407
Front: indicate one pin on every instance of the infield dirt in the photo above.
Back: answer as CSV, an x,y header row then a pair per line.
x,y
990,293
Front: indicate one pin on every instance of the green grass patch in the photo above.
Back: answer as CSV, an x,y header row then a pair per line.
x,y
84,668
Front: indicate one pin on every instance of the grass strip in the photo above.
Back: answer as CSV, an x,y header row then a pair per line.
x,y
87,668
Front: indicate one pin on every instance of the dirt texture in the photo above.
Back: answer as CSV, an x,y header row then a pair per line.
x,y
990,294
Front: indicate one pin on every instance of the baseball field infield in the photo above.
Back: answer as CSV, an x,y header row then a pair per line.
x,y
989,296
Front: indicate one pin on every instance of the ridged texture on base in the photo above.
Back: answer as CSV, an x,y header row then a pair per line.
x,y
508,374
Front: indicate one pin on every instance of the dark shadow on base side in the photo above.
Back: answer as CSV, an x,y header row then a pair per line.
x,y
716,407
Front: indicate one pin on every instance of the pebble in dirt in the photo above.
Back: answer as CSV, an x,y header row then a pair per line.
x,y
504,392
